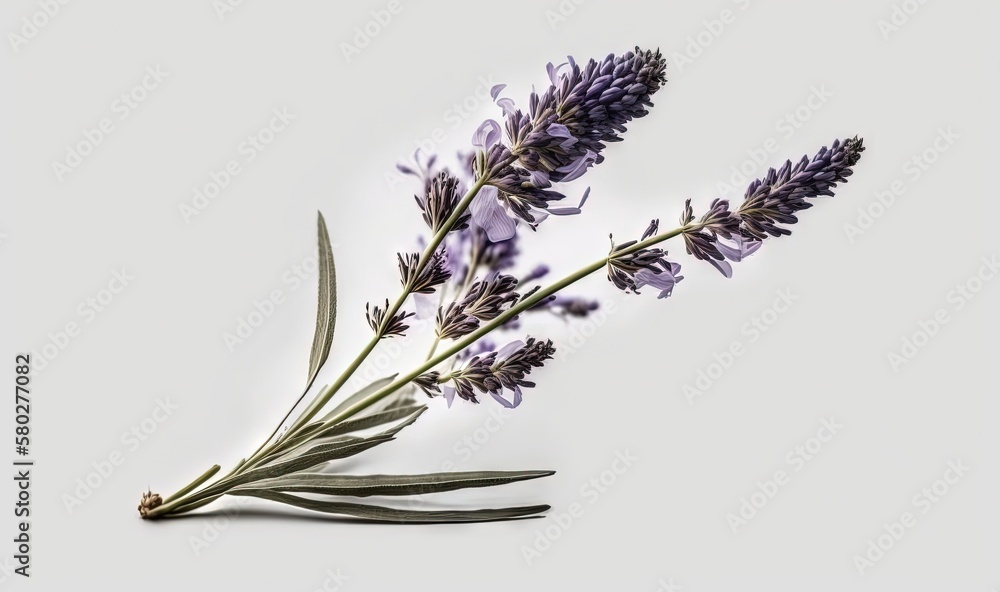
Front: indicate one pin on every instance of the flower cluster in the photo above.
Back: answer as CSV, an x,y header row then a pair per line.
x,y
429,278
442,194
492,373
776,198
486,300
376,316
630,269
562,134
704,240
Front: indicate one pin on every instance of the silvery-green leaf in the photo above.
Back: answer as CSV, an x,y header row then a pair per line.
x,y
367,485
375,385
329,434
305,459
373,420
384,514
326,314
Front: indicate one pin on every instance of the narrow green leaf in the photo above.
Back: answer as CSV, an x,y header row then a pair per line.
x,y
384,514
361,394
300,460
373,420
367,485
326,314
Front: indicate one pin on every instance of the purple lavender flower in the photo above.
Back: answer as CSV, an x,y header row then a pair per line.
x,y
442,194
541,270
566,127
485,300
376,319
430,277
776,198
568,306
561,135
705,240
645,267
493,373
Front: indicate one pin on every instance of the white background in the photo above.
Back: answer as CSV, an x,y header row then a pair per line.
x,y
621,388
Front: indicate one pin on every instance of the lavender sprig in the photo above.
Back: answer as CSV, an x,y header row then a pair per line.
x,y
557,139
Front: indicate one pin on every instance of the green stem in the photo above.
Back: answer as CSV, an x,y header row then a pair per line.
x,y
194,484
181,504
510,313
425,258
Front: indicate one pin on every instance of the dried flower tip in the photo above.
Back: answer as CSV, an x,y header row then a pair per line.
x,y
644,267
394,326
453,322
566,127
150,501
704,240
568,306
774,200
428,383
496,372
442,195
487,299
431,276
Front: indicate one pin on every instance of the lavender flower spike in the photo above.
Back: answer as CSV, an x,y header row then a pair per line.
x,y
560,137
493,373
776,198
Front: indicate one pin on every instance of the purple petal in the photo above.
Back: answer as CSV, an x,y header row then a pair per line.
x,y
575,170
540,179
425,305
502,401
571,211
496,90
449,394
663,281
538,216
509,349
559,131
739,250
487,135
507,105
723,266
564,211
491,216
517,395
